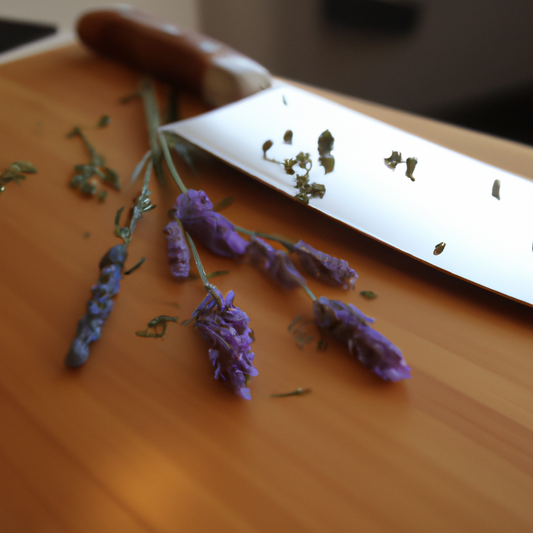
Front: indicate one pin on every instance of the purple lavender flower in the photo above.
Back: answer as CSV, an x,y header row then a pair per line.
x,y
215,231
274,262
230,337
325,267
99,306
349,325
178,253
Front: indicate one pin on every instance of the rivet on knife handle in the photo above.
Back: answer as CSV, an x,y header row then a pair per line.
x,y
172,54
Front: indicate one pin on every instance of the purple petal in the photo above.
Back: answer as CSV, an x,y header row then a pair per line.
x,y
178,253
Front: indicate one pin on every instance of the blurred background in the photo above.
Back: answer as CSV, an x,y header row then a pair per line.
x,y
463,61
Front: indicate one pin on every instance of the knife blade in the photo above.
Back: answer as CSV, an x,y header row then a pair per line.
x,y
448,217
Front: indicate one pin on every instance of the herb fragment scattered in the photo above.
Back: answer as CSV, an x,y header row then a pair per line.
x,y
396,158
370,295
496,189
298,392
303,161
411,164
86,175
439,248
157,327
325,146
223,204
15,172
297,329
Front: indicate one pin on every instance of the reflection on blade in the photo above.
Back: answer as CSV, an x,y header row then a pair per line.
x,y
488,238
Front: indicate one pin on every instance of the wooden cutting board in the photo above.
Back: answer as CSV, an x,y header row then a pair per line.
x,y
143,439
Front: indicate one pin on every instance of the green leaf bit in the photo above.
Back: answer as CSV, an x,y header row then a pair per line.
x,y
411,164
369,295
306,190
157,327
15,172
325,146
298,331
86,175
396,158
298,392
496,189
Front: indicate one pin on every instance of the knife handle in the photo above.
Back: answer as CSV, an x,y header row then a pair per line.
x,y
172,54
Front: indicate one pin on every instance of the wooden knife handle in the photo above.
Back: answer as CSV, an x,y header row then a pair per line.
x,y
172,54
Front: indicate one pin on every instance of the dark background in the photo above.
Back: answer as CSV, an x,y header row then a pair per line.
x,y
466,62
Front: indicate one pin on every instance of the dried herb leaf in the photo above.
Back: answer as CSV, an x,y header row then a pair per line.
x,y
223,204
86,175
298,392
104,121
411,164
439,248
15,172
325,142
394,160
496,189
267,145
370,295
159,322
24,166
328,162
299,333
322,345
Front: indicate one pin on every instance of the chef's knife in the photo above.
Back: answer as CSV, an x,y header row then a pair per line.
x,y
455,213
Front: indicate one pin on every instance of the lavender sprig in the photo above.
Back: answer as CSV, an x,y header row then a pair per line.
x,y
226,328
111,272
346,323
96,166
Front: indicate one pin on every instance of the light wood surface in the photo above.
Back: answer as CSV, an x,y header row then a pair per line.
x,y
143,439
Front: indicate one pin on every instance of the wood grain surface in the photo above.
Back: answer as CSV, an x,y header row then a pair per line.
x,y
143,439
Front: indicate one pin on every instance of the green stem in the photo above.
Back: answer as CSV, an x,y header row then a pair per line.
x,y
308,292
201,270
151,112
170,163
285,243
